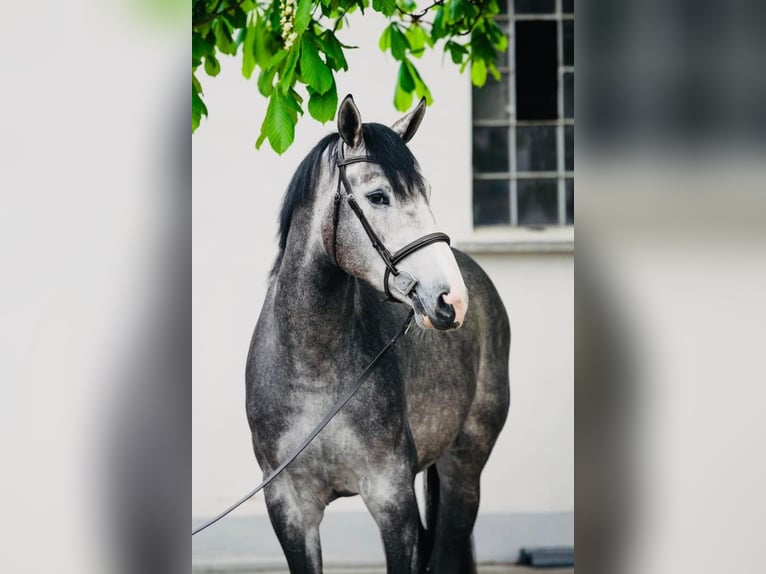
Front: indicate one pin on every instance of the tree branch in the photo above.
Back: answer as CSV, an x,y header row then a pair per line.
x,y
418,15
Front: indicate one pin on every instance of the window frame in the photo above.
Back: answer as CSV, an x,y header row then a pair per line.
x,y
513,237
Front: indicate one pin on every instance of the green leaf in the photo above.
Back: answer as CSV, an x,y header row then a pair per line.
x,y
438,30
333,51
478,72
201,47
399,43
248,51
235,16
417,39
421,90
275,60
212,67
501,44
302,16
481,46
199,108
203,29
402,99
287,70
279,123
455,11
322,106
387,7
260,47
494,71
314,71
223,38
385,39
266,81
295,100
405,78
457,51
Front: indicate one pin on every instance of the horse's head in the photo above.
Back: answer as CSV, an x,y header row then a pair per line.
x,y
383,199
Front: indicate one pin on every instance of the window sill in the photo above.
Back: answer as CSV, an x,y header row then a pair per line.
x,y
488,240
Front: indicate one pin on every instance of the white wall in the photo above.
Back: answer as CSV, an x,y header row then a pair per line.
x,y
236,196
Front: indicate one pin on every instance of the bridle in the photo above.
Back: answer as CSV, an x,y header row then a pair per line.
x,y
403,281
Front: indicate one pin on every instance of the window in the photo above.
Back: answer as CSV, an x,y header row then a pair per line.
x,y
523,125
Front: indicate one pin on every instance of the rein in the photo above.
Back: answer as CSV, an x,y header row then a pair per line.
x,y
404,283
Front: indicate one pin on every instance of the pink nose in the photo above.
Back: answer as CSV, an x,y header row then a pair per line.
x,y
458,303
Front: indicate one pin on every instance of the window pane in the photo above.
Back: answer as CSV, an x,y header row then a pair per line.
x,y
538,201
568,95
568,42
536,71
536,148
490,150
491,202
491,101
567,6
570,200
535,6
569,148
503,6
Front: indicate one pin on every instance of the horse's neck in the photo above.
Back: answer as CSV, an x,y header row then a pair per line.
x,y
313,300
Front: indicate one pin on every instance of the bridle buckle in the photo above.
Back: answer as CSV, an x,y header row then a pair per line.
x,y
404,283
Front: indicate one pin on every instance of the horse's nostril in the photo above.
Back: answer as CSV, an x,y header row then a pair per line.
x,y
444,310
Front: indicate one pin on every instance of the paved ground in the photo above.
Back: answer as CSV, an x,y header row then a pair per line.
x,y
483,569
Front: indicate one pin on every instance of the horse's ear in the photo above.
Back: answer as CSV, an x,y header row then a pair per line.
x,y
409,124
350,122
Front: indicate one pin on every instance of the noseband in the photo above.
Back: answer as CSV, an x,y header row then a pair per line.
x,y
403,281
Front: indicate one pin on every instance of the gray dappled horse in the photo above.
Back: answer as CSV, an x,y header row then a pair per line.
x,y
436,402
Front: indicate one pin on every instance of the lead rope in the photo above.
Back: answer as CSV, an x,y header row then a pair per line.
x,y
350,392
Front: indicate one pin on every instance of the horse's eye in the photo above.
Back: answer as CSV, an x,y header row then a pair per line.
x,y
377,198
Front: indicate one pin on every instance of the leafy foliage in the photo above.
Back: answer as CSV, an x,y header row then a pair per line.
x,y
294,43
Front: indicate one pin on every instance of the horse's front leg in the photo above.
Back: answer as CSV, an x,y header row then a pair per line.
x,y
390,497
295,518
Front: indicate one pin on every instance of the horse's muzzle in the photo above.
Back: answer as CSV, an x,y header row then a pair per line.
x,y
437,312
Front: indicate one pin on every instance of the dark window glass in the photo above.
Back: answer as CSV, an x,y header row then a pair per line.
x,y
569,148
503,6
568,95
491,202
537,201
490,150
535,6
491,101
536,71
567,6
570,200
536,148
568,42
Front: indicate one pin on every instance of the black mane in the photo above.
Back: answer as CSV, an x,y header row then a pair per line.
x,y
384,146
